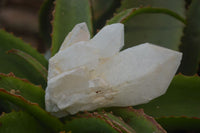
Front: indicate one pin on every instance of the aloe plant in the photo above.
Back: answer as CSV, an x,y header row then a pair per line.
x,y
23,70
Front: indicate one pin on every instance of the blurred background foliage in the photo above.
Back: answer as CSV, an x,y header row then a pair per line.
x,y
174,24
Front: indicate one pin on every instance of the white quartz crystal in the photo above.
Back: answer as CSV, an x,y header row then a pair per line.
x,y
88,74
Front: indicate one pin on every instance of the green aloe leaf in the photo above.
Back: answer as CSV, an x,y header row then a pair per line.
x,y
45,16
126,15
67,14
138,120
37,112
180,124
116,122
98,123
33,93
159,29
39,67
8,41
191,40
13,63
181,99
89,125
20,122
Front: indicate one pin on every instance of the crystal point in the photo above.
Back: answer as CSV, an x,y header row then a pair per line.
x,y
79,33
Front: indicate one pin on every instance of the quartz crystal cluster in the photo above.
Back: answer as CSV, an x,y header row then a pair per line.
x,y
87,74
